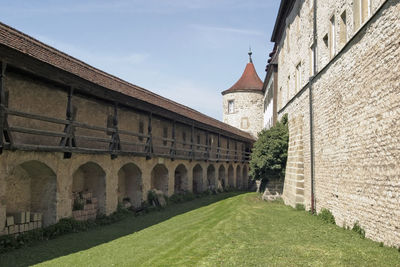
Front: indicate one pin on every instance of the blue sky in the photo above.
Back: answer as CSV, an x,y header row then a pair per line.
x,y
186,50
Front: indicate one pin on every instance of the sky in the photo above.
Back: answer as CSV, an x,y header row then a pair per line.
x,y
186,50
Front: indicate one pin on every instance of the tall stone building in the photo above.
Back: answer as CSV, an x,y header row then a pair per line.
x,y
243,102
339,82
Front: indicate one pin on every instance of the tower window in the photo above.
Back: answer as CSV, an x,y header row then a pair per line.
x,y
231,106
244,124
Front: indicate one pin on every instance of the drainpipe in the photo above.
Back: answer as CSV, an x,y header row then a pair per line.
x,y
311,105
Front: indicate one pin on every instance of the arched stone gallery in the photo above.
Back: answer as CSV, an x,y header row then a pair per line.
x,y
32,187
130,184
159,178
180,179
197,179
89,183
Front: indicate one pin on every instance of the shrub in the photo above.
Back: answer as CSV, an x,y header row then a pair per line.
x,y
357,228
269,155
326,216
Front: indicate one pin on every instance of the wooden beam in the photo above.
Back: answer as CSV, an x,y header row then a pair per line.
x,y
2,105
115,144
20,62
149,142
172,151
69,129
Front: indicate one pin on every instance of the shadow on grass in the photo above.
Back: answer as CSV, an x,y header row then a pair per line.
x,y
71,243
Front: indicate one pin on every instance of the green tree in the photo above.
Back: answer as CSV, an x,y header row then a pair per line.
x,y
269,156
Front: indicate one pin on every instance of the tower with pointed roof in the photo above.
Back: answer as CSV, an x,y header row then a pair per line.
x,y
243,102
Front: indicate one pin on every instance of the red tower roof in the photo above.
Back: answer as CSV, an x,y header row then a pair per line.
x,y
249,80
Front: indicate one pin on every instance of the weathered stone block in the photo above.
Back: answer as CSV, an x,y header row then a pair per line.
x,y
19,217
27,216
10,220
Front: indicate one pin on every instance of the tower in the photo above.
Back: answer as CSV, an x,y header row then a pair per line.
x,y
243,102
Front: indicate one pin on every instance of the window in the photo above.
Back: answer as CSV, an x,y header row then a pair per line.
x,y
326,40
165,135
312,58
231,106
141,130
343,29
333,35
244,124
361,11
298,77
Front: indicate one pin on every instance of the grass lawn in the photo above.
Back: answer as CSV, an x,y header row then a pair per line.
x,y
229,229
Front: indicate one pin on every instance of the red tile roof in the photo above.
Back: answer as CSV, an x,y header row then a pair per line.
x,y
248,82
25,44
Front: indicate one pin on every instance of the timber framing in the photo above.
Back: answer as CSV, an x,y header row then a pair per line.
x,y
25,63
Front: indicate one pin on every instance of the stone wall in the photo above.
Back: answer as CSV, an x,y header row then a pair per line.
x,y
355,114
248,111
109,180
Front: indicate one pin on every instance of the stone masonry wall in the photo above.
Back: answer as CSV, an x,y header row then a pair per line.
x,y
20,169
356,110
248,111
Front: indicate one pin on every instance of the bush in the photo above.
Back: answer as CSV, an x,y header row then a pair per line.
x,y
269,155
300,207
357,228
326,216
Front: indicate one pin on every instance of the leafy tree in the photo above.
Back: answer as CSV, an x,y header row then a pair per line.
x,y
269,156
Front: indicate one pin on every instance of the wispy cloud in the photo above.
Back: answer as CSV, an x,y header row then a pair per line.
x,y
226,30
129,6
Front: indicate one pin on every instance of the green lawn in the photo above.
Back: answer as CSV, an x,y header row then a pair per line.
x,y
237,231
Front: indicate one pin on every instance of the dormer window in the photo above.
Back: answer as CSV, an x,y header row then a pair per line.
x,y
231,106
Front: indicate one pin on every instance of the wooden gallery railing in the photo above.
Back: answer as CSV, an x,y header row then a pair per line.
x,y
114,143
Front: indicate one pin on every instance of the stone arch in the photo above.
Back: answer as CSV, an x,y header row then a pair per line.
x,y
130,184
245,178
159,178
32,186
197,179
89,183
211,177
231,174
221,177
238,177
181,179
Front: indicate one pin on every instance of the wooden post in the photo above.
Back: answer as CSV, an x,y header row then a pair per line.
x,y
236,157
192,143
2,105
115,144
207,153
69,129
219,147
149,142
227,147
172,151
4,127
